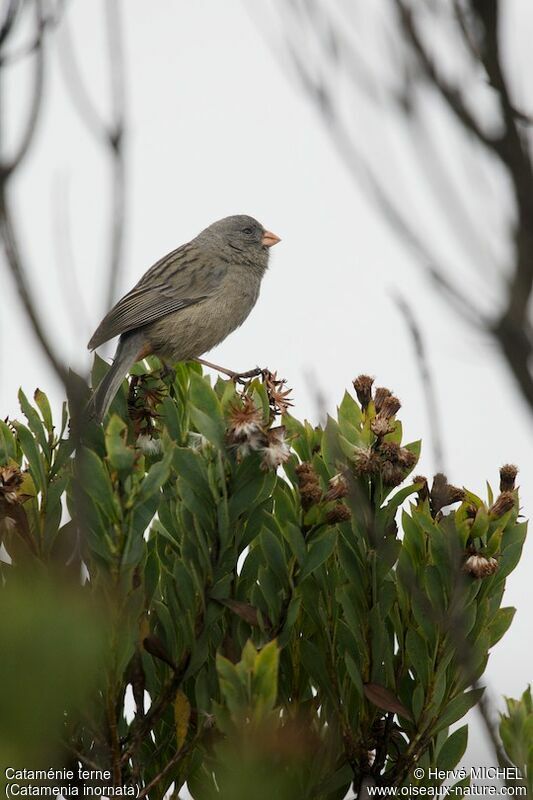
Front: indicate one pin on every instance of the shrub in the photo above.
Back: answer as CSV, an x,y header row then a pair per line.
x,y
291,618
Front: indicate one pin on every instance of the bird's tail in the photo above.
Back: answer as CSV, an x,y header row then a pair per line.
x,y
126,355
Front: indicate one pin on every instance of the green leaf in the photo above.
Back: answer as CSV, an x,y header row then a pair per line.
x,y
265,679
457,708
500,624
95,481
331,450
453,749
383,698
192,468
34,422
8,447
157,476
318,553
275,557
206,411
44,407
33,456
417,655
120,456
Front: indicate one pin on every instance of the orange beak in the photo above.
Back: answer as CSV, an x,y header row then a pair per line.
x,y
269,239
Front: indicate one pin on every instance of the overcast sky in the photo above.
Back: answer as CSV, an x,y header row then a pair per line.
x,y
216,128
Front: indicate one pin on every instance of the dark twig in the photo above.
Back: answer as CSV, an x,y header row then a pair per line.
x,y
426,377
116,143
175,759
10,165
110,134
15,264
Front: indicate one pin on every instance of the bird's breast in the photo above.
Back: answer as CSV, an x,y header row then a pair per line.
x,y
192,331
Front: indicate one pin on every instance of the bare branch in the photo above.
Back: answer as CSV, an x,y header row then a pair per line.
x,y
9,166
116,59
110,134
18,273
13,7
450,94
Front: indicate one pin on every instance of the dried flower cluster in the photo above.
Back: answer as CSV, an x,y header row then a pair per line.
x,y
10,483
277,392
311,493
337,488
248,432
508,475
443,494
480,566
339,513
363,389
504,503
309,485
382,457
145,394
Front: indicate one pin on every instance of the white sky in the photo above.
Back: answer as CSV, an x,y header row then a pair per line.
x,y
215,128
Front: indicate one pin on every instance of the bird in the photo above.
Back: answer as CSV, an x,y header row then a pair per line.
x,y
187,302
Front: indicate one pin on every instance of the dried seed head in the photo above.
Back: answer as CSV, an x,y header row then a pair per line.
x,y
443,493
503,504
244,421
480,566
337,487
423,492
10,482
366,462
389,451
379,397
392,474
149,445
308,484
363,389
406,458
390,406
278,395
306,472
380,426
310,495
256,441
276,451
508,475
339,513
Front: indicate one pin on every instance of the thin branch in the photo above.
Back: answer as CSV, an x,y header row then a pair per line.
x,y
13,7
116,59
176,758
15,264
75,85
486,713
8,167
426,377
450,94
147,722
110,134
49,22
68,283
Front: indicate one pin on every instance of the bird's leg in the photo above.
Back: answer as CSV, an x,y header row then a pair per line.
x,y
167,371
235,376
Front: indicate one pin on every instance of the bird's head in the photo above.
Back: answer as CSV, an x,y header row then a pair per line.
x,y
243,236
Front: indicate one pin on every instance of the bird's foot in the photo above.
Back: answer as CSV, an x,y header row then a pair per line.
x,y
236,377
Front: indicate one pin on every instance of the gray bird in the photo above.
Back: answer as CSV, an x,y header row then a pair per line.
x,y
188,302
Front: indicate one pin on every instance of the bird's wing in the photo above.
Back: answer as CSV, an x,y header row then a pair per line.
x,y
180,279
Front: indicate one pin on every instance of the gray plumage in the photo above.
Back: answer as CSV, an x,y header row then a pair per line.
x,y
188,302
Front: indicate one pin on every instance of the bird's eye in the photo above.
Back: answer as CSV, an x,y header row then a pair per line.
x,y
248,231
